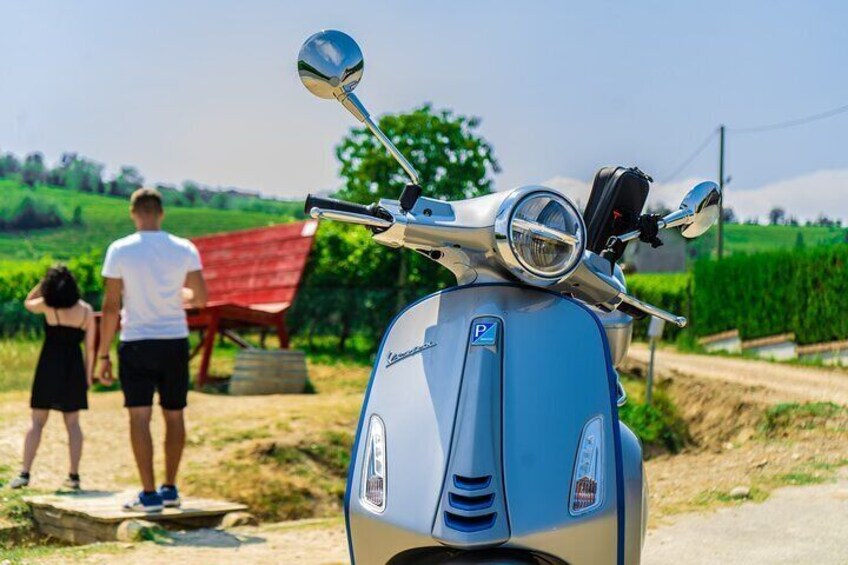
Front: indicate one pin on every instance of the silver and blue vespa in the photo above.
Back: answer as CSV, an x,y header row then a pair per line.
x,y
489,431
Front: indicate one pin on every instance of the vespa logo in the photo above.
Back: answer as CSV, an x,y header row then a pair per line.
x,y
393,358
484,333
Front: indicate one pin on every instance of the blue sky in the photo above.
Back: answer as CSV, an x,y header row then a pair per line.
x,y
207,90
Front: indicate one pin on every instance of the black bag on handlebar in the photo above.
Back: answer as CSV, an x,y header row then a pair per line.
x,y
615,204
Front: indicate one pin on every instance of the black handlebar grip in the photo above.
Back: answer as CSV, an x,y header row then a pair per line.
x,y
632,311
333,204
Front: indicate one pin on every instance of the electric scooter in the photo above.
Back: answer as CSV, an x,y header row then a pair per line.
x,y
489,431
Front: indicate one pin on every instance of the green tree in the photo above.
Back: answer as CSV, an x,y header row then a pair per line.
x,y
452,160
77,217
221,201
126,181
353,285
9,165
34,171
77,173
191,193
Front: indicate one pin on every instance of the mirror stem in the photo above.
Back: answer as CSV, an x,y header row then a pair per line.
x,y
355,107
672,220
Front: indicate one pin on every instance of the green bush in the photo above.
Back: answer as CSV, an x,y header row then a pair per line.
x,y
16,282
353,287
804,291
29,213
669,291
658,425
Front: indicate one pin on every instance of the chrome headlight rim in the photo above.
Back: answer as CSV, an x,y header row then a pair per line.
x,y
503,242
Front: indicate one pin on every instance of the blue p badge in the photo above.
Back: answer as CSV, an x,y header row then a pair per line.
x,y
484,333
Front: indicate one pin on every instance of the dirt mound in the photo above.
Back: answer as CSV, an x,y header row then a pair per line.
x,y
715,413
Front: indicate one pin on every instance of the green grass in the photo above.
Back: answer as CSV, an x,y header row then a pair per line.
x,y
713,497
106,219
788,416
17,359
658,426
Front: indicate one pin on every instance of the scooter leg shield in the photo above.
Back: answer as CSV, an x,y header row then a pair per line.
x,y
484,393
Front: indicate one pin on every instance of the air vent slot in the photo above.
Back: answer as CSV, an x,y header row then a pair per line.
x,y
470,524
472,483
471,503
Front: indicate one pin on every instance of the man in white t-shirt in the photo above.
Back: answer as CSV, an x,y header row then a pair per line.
x,y
155,275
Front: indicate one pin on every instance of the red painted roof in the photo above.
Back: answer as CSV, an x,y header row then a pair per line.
x,y
258,267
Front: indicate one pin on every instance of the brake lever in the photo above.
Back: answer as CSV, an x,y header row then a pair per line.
x,y
633,302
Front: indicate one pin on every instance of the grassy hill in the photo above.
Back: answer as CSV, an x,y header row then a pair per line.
x,y
106,218
743,238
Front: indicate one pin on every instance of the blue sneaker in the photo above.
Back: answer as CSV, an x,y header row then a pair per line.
x,y
145,503
170,496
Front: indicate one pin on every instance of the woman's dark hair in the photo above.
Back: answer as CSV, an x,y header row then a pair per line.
x,y
59,288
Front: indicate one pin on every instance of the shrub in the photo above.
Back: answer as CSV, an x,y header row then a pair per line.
x,y
659,426
669,291
353,287
16,282
804,291
31,214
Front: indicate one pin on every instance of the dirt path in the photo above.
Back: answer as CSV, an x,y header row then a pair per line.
x,y
789,528
728,394
308,542
781,382
795,525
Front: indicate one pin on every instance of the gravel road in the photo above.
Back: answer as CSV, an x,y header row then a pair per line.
x,y
796,525
783,382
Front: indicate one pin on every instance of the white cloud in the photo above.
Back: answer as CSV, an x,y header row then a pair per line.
x,y
805,197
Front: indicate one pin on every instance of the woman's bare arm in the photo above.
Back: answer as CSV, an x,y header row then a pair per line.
x,y
34,302
90,340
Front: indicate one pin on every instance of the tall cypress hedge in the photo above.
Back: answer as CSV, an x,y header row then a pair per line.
x,y
669,291
800,291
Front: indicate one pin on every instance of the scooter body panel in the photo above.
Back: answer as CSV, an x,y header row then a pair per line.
x,y
505,415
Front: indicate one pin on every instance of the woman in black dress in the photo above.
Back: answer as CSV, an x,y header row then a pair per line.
x,y
63,374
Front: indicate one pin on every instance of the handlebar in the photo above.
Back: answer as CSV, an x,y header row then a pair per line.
x,y
337,205
631,305
595,274
331,209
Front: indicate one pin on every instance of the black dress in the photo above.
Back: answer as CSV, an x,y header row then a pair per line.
x,y
60,381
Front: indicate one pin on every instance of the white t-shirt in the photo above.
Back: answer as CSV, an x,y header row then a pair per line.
x,y
152,266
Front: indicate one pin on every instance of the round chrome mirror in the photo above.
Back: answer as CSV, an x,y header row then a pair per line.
x,y
702,203
330,63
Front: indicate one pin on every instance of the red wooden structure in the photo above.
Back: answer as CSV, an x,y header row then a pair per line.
x,y
252,277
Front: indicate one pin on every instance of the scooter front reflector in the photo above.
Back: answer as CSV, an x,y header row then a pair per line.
x,y
373,491
587,484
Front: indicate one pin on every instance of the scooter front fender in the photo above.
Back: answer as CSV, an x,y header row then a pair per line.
x,y
508,415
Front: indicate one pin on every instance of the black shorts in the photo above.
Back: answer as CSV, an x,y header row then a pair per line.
x,y
151,365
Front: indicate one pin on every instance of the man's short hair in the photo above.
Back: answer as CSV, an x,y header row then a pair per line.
x,y
146,201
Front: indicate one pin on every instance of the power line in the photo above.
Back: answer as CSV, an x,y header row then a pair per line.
x,y
692,157
756,129
792,123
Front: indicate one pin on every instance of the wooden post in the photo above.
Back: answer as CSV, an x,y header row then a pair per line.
x,y
208,345
282,331
721,187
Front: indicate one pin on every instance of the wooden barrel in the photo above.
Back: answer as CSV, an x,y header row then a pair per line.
x,y
262,371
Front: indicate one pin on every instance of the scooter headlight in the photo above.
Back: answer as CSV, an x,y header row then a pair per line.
x,y
540,235
373,490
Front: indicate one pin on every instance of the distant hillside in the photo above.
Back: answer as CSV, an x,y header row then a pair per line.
x,y
105,218
744,238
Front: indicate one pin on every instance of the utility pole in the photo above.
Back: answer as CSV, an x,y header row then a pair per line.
x,y
721,186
